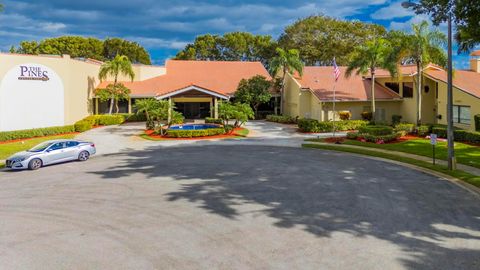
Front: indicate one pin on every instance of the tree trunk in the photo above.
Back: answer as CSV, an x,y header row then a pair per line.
x,y
255,107
282,91
373,95
116,106
112,100
419,93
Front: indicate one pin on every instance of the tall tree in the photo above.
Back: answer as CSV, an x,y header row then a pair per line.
x,y
254,91
116,46
367,58
86,47
422,47
286,61
466,16
116,92
235,46
120,65
321,38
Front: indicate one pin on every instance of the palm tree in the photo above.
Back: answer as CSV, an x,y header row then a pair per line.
x,y
147,106
422,47
120,65
367,58
287,61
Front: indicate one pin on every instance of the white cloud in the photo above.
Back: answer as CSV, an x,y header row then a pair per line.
x,y
158,42
394,10
53,27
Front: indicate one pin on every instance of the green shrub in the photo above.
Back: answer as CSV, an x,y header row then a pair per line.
x,y
133,117
440,131
352,135
424,130
312,125
195,133
396,119
376,130
459,135
381,138
83,125
281,119
105,119
477,122
345,115
37,132
404,128
308,125
368,116
211,120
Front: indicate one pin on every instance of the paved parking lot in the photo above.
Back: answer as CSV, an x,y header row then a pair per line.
x,y
235,207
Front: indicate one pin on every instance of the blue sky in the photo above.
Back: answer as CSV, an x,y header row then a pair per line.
x,y
164,27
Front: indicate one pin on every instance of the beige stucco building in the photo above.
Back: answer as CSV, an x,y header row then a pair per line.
x,y
312,95
46,90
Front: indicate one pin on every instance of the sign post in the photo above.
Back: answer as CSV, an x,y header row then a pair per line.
x,y
433,142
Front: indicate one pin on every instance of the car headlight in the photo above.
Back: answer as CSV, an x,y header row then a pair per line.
x,y
20,159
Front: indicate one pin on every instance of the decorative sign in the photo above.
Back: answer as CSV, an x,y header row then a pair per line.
x,y
433,139
33,73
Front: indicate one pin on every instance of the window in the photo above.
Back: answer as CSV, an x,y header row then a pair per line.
x,y
71,144
461,114
393,86
408,90
56,146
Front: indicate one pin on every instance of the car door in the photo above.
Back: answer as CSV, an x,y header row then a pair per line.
x,y
55,153
71,150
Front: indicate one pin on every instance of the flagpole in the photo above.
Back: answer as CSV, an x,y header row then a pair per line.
x,y
334,110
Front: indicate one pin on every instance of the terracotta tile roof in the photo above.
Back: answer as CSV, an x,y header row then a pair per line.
x,y
475,53
320,81
406,70
221,77
466,80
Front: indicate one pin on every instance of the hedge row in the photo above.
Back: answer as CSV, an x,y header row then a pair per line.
x,y
211,120
312,125
89,122
37,132
376,130
133,117
281,119
459,135
374,138
195,133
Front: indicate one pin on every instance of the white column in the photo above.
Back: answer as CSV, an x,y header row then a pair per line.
x,y
129,105
169,109
215,115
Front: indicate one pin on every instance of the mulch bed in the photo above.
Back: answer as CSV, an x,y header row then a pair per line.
x,y
235,133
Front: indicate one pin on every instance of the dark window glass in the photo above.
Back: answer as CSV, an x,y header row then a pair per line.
x,y
394,86
57,146
71,144
408,90
461,114
427,89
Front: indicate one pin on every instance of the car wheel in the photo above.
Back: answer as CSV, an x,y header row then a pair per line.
x,y
83,156
35,164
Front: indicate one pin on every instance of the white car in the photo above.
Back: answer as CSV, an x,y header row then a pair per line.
x,y
51,152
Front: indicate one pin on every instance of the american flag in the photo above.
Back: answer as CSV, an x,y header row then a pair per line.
x,y
336,70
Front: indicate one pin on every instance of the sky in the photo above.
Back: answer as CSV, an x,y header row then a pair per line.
x,y
165,27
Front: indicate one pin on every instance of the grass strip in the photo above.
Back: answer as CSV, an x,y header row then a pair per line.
x,y
461,175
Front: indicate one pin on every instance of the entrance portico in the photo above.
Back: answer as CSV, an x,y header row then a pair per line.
x,y
195,102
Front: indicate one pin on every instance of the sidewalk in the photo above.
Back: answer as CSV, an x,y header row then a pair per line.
x,y
465,168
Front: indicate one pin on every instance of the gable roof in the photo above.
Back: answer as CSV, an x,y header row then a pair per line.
x,y
320,81
221,77
466,80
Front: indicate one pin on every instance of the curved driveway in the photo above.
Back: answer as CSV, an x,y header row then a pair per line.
x,y
235,207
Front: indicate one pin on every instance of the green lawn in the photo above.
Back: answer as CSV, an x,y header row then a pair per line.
x,y
8,149
464,176
465,154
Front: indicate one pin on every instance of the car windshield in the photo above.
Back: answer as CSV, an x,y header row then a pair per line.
x,y
41,147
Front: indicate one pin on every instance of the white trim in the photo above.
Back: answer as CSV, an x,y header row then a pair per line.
x,y
190,88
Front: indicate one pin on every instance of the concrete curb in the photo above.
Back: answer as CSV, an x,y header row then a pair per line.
x,y
466,186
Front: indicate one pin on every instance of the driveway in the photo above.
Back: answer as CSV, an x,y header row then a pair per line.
x,y
235,207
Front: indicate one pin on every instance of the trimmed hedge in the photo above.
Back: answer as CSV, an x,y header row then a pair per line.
x,y
423,130
133,117
459,135
106,119
404,128
381,138
376,130
195,133
37,132
477,122
211,120
281,119
312,125
396,119
83,125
